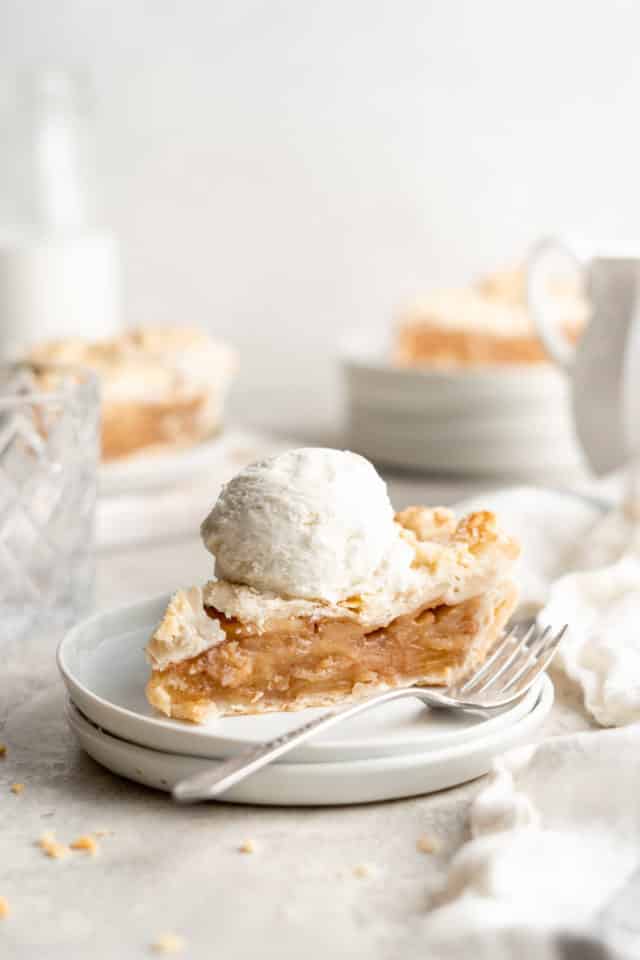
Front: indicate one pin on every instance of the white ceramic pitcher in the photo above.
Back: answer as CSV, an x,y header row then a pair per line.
x,y
604,367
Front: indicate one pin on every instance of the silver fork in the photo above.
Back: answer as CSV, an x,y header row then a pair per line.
x,y
519,658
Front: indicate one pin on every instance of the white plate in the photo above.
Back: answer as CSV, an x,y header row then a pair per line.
x,y
319,784
104,669
509,421
154,470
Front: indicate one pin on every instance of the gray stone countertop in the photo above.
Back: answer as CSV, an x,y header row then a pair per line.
x,y
164,869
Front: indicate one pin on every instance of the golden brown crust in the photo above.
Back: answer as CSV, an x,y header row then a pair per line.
x,y
434,534
428,523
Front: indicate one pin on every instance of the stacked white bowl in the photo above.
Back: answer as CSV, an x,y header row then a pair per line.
x,y
512,422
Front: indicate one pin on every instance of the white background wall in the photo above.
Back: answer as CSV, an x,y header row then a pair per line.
x,y
282,170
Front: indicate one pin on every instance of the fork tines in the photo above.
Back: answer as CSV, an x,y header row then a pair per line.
x,y
515,662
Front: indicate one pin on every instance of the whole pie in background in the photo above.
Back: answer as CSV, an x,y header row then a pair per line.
x,y
488,323
161,387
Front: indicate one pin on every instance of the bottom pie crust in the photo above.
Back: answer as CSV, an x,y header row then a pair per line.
x,y
297,663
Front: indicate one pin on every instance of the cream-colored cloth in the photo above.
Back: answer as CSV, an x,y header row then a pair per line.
x,y
602,649
556,830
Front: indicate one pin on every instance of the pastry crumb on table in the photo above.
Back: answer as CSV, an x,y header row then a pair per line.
x,y
3,751
85,842
363,870
50,846
169,943
427,844
17,788
4,907
247,846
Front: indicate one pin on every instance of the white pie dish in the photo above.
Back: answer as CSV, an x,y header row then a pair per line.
x,y
513,422
103,666
320,784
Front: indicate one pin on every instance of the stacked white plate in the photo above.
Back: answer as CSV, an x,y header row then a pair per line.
x,y
509,422
398,750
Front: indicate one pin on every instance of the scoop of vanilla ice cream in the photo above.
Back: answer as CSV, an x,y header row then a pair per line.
x,y
309,523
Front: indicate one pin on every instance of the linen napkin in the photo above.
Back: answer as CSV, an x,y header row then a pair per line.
x,y
556,830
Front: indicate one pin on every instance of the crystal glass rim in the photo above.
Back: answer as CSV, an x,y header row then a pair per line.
x,y
74,379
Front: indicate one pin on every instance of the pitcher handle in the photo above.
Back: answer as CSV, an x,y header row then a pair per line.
x,y
540,259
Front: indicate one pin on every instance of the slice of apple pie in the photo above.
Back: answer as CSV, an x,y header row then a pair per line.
x,y
323,595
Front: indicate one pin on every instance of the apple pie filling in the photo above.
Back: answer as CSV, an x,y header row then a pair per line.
x,y
293,663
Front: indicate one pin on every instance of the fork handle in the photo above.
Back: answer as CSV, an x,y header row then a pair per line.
x,y
212,782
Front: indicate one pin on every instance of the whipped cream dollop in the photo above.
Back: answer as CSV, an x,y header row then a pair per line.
x,y
312,523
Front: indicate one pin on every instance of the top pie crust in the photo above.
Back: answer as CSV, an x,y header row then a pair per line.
x,y
439,560
147,364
